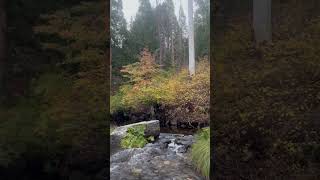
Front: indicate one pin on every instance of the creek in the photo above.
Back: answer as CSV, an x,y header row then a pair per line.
x,y
166,158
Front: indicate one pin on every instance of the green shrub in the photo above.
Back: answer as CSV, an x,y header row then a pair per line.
x,y
135,138
200,153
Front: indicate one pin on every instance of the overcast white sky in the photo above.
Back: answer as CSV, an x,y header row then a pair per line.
x,y
130,8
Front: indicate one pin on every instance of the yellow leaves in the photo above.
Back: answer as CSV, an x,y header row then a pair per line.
x,y
188,97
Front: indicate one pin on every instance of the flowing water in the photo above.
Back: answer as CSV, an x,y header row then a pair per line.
x,y
166,158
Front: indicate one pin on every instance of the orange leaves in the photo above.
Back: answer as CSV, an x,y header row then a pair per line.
x,y
186,98
142,71
144,83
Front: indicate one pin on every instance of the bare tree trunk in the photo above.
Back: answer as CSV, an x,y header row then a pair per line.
x,y
191,38
161,50
172,51
3,43
185,62
262,20
159,34
166,47
179,52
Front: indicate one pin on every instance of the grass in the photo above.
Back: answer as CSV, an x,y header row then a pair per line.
x,y
200,152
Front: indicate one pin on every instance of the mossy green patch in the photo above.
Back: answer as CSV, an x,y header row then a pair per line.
x,y
135,137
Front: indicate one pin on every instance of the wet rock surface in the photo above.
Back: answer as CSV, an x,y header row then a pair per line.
x,y
152,128
165,159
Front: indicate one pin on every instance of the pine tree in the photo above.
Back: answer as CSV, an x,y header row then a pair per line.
x,y
168,29
202,28
118,24
143,31
182,40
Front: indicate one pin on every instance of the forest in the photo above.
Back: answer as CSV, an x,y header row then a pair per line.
x,y
160,73
53,89
256,82
150,65
265,106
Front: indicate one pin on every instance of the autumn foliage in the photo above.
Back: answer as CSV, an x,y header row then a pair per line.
x,y
184,98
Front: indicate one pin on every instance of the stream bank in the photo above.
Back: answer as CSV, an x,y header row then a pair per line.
x,y
165,159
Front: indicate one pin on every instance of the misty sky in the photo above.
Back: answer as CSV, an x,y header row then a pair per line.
x,y
130,8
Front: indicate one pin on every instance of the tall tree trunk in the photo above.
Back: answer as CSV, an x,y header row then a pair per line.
x,y
166,49
159,33
160,48
180,51
185,60
172,51
191,38
262,20
3,43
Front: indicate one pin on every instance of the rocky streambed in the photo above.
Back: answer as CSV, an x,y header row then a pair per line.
x,y
165,159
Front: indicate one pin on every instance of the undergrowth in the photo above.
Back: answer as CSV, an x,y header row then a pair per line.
x,y
200,152
185,98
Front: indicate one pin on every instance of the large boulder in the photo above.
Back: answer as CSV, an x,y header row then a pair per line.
x,y
152,128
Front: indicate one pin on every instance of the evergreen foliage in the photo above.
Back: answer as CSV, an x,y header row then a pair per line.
x,y
159,30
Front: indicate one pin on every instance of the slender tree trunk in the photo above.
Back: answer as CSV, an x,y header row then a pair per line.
x,y
180,50
161,49
159,33
191,38
185,61
262,20
3,43
172,51
166,49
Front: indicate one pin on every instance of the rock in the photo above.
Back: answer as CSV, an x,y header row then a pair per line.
x,y
182,149
153,162
163,146
136,171
186,141
122,156
165,141
152,129
152,145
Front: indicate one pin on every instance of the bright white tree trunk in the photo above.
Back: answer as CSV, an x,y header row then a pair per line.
x,y
262,20
191,38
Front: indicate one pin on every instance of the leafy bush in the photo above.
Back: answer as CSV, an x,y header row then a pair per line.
x,y
200,153
185,98
143,87
189,100
135,137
